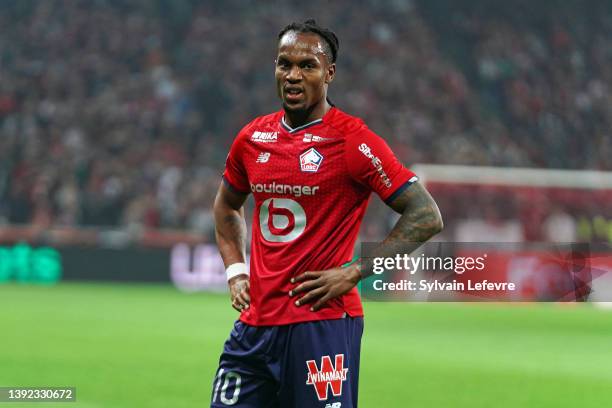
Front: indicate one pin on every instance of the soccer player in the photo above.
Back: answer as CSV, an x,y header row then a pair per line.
x,y
311,168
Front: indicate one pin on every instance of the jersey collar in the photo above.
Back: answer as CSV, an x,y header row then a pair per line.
x,y
293,130
309,124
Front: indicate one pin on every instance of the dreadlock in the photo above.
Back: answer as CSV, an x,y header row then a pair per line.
x,y
330,48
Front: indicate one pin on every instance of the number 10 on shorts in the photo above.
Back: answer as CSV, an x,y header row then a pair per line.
x,y
224,380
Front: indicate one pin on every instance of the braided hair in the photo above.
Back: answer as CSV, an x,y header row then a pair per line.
x,y
330,46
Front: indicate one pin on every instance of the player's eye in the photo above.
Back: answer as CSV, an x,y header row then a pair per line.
x,y
282,64
309,65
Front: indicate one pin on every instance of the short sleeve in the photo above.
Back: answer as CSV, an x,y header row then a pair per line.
x,y
235,175
372,163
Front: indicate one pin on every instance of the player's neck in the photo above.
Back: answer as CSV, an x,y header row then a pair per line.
x,y
297,119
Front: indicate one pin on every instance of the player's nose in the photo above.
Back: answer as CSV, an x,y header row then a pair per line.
x,y
294,74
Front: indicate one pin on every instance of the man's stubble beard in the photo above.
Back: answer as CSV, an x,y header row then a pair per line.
x,y
301,113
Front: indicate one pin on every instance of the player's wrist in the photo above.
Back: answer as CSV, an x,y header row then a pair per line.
x,y
235,270
354,272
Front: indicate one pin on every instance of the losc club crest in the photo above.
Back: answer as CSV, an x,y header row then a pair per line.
x,y
310,160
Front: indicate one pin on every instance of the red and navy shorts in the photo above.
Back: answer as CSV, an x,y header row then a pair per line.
x,y
301,365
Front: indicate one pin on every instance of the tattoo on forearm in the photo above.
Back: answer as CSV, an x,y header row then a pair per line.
x,y
231,235
235,226
420,220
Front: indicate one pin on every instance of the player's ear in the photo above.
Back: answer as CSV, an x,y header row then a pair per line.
x,y
330,73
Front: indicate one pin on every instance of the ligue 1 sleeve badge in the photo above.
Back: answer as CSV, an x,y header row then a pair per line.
x,y
310,160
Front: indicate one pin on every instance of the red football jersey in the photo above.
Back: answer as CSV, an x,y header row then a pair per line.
x,y
311,187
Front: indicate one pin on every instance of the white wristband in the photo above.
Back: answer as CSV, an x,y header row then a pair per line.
x,y
236,269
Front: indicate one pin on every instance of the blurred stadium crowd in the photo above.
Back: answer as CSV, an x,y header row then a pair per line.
x,y
121,113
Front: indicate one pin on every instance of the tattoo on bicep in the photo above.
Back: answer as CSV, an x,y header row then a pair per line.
x,y
420,218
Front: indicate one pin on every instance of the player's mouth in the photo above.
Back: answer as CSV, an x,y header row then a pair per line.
x,y
293,94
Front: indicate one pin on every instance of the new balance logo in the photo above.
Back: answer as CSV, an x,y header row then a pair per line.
x,y
334,405
328,376
314,138
263,157
265,137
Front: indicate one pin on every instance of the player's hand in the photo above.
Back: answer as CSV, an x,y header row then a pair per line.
x,y
323,286
239,292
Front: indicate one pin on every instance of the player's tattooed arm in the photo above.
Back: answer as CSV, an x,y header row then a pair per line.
x,y
420,220
231,234
230,225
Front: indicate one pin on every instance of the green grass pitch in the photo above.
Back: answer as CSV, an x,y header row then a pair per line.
x,y
152,346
